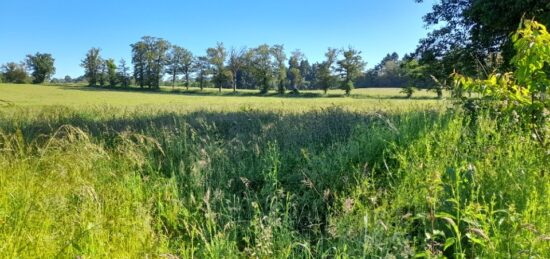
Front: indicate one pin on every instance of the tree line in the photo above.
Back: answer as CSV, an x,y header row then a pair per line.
x,y
263,67
41,66
470,38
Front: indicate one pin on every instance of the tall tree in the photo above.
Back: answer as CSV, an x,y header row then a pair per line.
x,y
103,76
237,61
262,66
202,66
139,59
149,59
175,62
216,57
123,73
42,66
187,66
14,73
92,64
350,67
471,34
278,52
325,73
111,72
295,74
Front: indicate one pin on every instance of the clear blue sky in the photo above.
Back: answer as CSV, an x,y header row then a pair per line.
x,y
68,28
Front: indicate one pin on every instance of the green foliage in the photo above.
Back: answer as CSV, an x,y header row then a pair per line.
x,y
326,183
216,57
471,36
149,56
14,73
111,72
92,65
42,66
260,62
280,58
350,67
522,94
326,77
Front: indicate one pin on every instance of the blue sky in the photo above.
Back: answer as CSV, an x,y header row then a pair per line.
x,y
68,28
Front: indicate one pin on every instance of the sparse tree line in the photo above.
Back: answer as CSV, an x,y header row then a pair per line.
x,y
263,67
157,62
40,65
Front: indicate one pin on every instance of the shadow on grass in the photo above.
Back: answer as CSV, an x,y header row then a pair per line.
x,y
245,93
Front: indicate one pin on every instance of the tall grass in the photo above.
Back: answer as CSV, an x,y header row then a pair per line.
x,y
324,183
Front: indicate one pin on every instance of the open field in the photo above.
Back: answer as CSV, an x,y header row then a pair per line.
x,y
210,99
96,173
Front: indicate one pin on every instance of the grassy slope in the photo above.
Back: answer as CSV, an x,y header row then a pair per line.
x,y
234,182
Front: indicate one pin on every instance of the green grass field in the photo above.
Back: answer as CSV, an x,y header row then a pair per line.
x,y
95,173
210,99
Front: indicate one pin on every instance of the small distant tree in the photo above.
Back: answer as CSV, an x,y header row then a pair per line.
x,y
295,73
262,66
202,66
123,73
237,61
111,72
92,65
350,67
187,65
278,52
103,76
42,67
175,63
14,73
325,72
216,57
67,79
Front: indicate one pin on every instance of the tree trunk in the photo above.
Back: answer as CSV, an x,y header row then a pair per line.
x,y
187,81
234,83
174,80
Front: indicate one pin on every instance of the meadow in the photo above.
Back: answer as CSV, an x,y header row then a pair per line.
x,y
94,173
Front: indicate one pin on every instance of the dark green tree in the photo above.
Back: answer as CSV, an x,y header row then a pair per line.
x,y
262,66
175,62
123,73
216,57
111,72
187,65
14,73
202,66
350,67
278,52
472,36
294,70
42,67
92,65
325,75
237,61
149,59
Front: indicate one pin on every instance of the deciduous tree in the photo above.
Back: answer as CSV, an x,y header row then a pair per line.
x,y
350,67
92,64
216,57
237,61
42,66
262,66
111,72
278,52
14,73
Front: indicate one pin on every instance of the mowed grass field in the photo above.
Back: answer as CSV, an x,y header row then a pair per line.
x,y
210,99
97,173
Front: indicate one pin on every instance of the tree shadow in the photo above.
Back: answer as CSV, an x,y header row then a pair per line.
x,y
241,93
